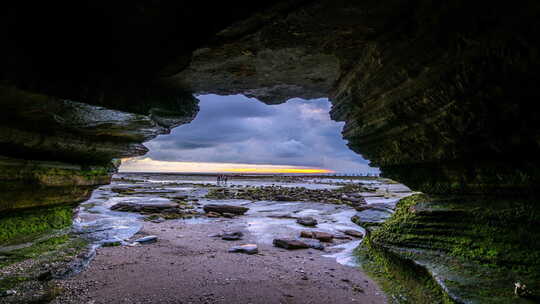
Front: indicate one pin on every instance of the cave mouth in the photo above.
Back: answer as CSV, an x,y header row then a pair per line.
x,y
237,134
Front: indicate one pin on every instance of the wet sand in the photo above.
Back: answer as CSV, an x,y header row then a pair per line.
x,y
186,265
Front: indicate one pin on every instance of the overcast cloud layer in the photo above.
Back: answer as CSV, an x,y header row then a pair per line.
x,y
237,129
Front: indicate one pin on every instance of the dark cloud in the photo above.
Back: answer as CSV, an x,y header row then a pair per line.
x,y
237,129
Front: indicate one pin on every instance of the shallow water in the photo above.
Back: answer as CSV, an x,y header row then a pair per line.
x,y
266,220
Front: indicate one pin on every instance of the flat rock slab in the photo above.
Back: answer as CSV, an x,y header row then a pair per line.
x,y
247,248
353,233
221,209
290,244
319,235
307,221
371,217
147,239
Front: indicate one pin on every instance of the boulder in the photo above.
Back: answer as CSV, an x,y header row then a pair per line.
x,y
307,221
236,210
247,248
290,244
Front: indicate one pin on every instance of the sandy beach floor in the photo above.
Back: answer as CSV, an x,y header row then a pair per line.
x,y
187,265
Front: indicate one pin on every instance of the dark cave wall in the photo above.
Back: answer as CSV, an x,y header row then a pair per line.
x,y
441,95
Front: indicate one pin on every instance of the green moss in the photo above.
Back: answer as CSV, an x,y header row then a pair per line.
x,y
30,223
400,279
54,248
477,241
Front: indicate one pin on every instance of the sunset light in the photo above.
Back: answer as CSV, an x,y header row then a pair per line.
x,y
278,170
149,165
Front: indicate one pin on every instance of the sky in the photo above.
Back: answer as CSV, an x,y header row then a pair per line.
x,y
239,134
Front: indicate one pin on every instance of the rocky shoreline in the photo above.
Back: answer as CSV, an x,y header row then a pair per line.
x,y
171,204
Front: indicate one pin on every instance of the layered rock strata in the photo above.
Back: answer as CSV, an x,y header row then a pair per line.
x,y
441,96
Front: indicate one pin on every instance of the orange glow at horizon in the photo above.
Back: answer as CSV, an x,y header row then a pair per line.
x,y
277,170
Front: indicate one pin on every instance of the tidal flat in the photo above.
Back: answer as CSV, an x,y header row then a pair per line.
x,y
188,256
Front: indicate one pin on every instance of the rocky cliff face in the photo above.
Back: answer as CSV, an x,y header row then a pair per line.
x,y
441,96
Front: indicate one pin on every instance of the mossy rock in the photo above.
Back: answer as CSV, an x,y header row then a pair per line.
x,y
475,248
27,224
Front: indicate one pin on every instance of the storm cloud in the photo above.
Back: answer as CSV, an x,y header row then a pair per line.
x,y
237,129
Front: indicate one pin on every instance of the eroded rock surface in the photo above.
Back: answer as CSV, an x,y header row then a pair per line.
x,y
440,96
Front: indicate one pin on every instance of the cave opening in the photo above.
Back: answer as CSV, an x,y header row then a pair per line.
x,y
237,134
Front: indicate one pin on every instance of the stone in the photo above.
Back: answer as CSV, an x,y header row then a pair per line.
x,y
237,210
213,214
228,215
247,248
232,236
306,234
290,244
147,239
353,233
307,221
319,235
323,236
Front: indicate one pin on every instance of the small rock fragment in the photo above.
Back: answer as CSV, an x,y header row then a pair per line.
x,y
232,236
247,248
147,239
